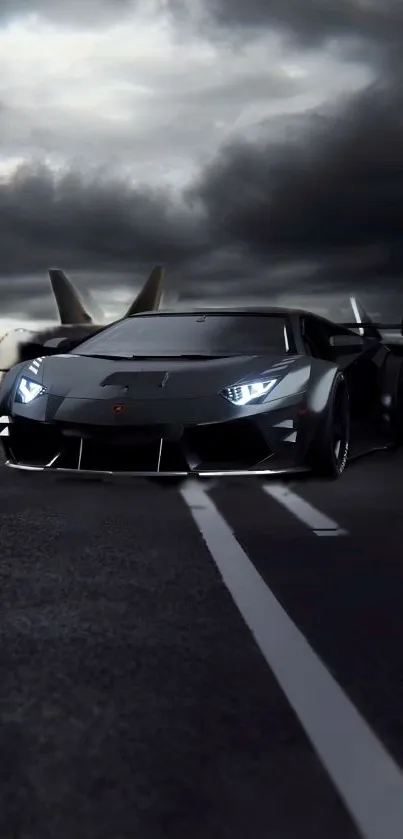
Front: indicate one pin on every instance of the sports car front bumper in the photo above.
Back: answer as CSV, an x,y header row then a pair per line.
x,y
262,444
158,474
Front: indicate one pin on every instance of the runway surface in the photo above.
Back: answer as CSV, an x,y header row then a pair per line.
x,y
222,660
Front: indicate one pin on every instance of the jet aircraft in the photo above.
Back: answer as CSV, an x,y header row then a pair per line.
x,y
19,344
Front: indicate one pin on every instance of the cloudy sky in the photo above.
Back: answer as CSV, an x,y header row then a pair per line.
x,y
255,147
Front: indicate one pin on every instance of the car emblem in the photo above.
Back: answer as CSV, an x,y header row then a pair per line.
x,y
118,409
165,379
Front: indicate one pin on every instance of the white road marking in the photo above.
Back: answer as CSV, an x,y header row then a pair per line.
x,y
367,778
320,524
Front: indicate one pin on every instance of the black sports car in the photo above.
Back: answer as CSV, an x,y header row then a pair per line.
x,y
218,392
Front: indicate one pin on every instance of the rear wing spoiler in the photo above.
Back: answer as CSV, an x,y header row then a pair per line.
x,y
369,327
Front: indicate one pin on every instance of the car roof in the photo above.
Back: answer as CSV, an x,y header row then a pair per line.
x,y
247,310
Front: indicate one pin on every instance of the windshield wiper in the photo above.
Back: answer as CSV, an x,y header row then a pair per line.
x,y
130,357
192,356
107,357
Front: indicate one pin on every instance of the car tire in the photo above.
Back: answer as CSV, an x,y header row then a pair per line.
x,y
392,397
330,449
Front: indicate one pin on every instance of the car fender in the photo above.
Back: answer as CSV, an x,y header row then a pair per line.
x,y
322,376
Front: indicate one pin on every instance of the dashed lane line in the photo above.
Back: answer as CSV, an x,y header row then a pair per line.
x,y
365,775
320,524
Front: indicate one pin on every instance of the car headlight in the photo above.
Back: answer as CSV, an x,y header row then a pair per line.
x,y
251,392
28,390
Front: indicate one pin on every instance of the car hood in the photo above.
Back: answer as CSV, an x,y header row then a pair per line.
x,y
100,378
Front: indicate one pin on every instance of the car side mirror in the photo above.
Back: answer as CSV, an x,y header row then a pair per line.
x,y
348,342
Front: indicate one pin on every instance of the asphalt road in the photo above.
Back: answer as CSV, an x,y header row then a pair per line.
x,y
221,662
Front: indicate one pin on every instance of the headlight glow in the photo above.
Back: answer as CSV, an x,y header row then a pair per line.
x,y
28,390
243,394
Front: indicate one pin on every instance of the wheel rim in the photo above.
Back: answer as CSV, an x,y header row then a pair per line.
x,y
340,436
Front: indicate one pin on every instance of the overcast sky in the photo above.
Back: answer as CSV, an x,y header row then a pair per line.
x,y
255,147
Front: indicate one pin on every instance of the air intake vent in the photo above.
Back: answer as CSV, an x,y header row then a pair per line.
x,y
130,379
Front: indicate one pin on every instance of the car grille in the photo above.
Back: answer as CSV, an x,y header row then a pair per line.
x,y
153,449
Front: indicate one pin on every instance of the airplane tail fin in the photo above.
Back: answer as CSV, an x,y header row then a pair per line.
x,y
71,308
149,297
362,317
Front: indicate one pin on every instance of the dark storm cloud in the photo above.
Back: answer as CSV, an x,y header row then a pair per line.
x,y
99,227
334,195
309,22
319,212
87,221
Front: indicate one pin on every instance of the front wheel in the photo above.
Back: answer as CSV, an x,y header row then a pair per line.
x,y
330,449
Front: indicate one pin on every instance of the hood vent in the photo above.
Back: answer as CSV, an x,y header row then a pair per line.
x,y
131,379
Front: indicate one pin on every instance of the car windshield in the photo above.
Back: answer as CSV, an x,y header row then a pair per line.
x,y
195,334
